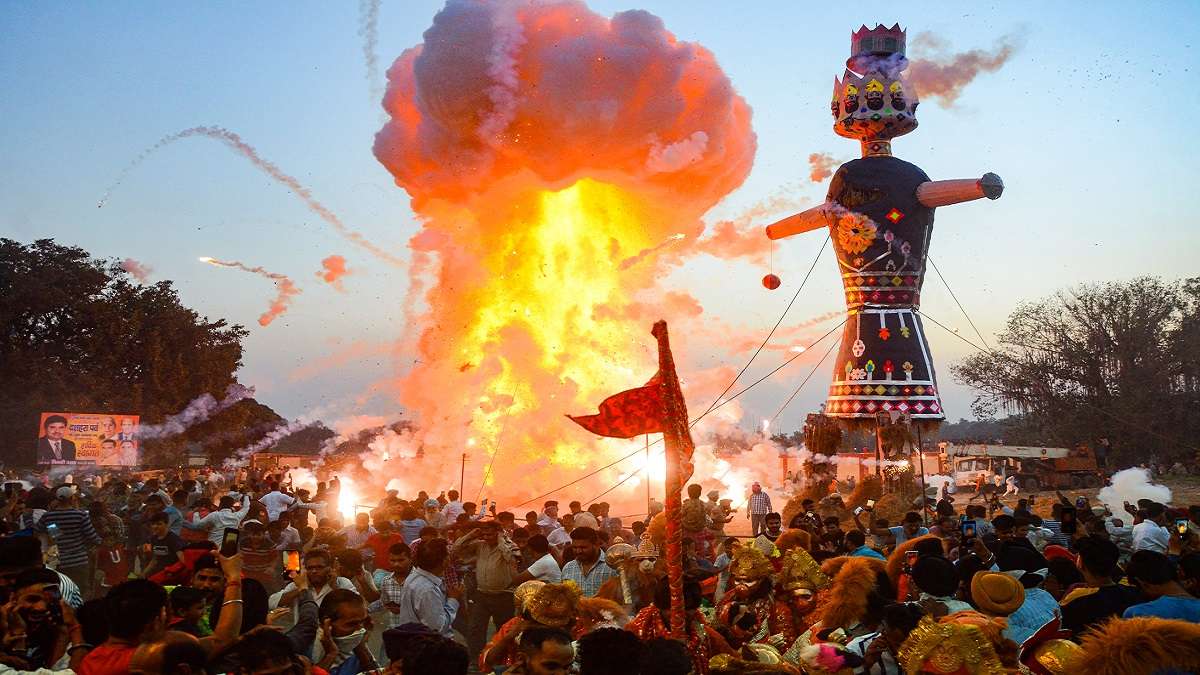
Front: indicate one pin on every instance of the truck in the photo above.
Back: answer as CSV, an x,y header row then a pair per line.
x,y
1035,468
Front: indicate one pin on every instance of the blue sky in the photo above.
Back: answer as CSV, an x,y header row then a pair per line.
x,y
1089,125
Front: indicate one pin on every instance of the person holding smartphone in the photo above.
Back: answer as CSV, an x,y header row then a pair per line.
x,y
39,628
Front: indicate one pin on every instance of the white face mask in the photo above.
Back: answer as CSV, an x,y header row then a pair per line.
x,y
347,643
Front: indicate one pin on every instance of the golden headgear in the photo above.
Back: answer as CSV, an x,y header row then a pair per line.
x,y
524,592
800,570
1056,657
750,563
555,605
950,646
646,549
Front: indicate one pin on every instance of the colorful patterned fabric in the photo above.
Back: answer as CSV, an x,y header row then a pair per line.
x,y
881,240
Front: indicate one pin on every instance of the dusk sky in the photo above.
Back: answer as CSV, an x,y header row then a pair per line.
x,y
1088,124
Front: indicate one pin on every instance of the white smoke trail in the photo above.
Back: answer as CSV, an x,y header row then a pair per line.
x,y
199,410
368,30
242,457
235,142
287,289
507,39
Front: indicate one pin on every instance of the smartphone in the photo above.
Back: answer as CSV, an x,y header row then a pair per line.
x,y
967,527
1181,526
1068,519
291,561
53,597
910,559
229,542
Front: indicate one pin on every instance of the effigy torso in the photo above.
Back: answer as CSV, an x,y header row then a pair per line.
x,y
883,364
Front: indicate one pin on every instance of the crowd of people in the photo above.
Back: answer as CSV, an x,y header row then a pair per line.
x,y
237,572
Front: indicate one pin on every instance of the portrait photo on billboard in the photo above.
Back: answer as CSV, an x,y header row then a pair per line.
x,y
100,439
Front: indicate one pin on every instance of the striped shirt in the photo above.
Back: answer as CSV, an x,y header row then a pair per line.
x,y
591,581
760,503
75,535
389,594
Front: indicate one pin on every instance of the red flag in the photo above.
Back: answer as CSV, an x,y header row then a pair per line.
x,y
628,414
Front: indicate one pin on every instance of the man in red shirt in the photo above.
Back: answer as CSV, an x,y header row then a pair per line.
x,y
381,542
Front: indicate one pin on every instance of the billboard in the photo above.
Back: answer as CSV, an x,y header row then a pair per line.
x,y
100,439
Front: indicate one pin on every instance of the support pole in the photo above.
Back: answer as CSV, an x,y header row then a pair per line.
x,y
462,474
921,459
647,480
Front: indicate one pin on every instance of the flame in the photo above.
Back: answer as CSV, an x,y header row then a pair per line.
x,y
559,161
347,499
549,276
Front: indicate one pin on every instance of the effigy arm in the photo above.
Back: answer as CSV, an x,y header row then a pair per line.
x,y
936,193
813,219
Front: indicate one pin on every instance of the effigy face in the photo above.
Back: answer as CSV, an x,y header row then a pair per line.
x,y
876,106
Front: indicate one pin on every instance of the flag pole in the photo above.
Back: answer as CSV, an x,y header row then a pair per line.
x,y
647,478
677,440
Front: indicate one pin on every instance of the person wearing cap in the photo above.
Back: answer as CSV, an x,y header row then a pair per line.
x,y
433,514
997,594
757,508
1039,606
70,527
548,519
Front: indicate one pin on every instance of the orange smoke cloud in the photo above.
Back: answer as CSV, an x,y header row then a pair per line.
x,y
137,270
822,164
937,74
333,268
555,92
553,155
742,237
285,288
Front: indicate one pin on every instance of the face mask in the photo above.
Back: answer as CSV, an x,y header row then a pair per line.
x,y
347,643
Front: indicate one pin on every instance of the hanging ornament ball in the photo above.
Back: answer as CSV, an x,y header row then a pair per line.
x,y
771,282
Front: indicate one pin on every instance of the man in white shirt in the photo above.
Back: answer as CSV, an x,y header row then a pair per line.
x,y
318,567
548,520
276,502
452,508
224,517
545,568
1150,534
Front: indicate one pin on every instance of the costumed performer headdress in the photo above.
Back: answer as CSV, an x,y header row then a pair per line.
x,y
750,563
959,644
800,570
525,591
555,605
1049,652
847,599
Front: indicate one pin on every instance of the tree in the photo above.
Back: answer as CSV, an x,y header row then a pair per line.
x,y
1116,360
79,335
